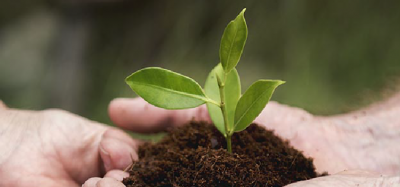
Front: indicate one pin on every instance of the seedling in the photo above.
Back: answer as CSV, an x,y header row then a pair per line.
x,y
229,110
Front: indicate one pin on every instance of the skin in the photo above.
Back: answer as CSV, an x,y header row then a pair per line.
x,y
36,150
57,148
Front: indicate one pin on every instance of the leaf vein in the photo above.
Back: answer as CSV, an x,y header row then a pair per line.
x,y
247,110
172,90
231,46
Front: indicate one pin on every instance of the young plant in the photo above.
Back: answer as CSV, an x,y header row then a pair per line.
x,y
229,110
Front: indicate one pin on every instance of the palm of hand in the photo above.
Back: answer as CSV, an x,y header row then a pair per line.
x,y
338,143
56,148
48,148
357,145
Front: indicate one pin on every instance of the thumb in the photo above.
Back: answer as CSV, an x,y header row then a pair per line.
x,y
117,149
139,116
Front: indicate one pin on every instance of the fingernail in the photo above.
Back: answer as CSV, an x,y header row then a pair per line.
x,y
105,156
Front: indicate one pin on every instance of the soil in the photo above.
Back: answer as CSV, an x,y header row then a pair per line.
x,y
195,155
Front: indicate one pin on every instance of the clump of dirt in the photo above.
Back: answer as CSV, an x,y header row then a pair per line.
x,y
195,155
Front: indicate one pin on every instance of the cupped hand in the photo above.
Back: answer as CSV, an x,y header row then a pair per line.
x,y
357,142
56,148
351,178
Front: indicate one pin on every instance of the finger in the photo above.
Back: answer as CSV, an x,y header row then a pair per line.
x,y
139,116
117,153
117,174
109,182
352,178
277,115
91,182
286,121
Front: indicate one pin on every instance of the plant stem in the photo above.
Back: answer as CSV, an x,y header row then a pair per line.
x,y
228,135
229,143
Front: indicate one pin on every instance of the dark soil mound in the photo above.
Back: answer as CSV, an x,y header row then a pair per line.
x,y
195,155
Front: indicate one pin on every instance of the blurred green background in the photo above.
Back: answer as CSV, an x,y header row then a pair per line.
x,y
336,56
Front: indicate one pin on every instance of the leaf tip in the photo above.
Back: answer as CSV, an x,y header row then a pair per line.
x,y
127,81
244,10
241,14
127,78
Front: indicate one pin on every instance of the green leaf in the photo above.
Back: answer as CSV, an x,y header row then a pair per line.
x,y
232,42
166,89
232,95
253,102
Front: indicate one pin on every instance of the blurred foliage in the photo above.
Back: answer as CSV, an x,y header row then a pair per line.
x,y
336,56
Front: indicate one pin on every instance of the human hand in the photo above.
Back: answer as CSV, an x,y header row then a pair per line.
x,y
138,116
351,178
56,148
336,143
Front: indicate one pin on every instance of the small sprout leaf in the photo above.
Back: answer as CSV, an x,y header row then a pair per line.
x,y
232,42
166,89
229,111
232,90
253,102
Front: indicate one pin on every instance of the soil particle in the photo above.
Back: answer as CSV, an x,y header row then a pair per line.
x,y
195,155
